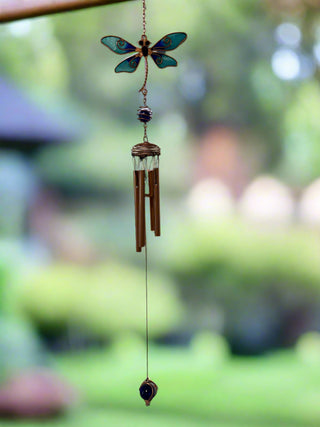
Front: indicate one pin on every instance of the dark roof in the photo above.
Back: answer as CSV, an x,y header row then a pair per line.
x,y
24,123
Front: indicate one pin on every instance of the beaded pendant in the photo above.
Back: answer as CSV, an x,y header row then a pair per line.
x,y
148,390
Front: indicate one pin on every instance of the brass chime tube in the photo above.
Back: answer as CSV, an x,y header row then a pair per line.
x,y
141,210
156,202
136,208
151,196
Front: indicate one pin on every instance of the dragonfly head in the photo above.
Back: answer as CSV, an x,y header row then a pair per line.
x,y
144,43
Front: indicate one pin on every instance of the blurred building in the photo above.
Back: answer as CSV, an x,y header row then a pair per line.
x,y
25,129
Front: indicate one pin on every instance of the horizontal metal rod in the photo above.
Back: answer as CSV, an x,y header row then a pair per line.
x,y
13,10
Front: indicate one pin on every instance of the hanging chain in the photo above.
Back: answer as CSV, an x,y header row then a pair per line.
x,y
144,89
145,135
144,17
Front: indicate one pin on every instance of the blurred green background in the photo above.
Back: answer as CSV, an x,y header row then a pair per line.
x,y
235,276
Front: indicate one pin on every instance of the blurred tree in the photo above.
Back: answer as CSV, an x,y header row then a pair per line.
x,y
100,302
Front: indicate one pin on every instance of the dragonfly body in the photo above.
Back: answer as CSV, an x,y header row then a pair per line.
x,y
157,51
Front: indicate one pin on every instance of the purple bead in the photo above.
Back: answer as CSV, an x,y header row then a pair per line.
x,y
144,114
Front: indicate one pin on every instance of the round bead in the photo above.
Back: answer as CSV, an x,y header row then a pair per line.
x,y
144,114
146,391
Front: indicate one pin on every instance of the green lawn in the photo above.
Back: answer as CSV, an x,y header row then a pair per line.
x,y
278,391
117,418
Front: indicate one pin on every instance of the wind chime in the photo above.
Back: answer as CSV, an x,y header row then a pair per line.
x,y
145,155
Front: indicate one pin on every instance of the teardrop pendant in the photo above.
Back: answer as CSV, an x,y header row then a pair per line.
x,y
148,390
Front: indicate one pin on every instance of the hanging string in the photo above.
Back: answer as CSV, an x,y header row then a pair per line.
x,y
145,166
147,313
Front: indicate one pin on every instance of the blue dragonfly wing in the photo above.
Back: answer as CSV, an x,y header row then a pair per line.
x,y
129,65
170,41
163,61
118,45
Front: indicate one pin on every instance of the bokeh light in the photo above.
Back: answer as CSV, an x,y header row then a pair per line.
x,y
286,64
288,34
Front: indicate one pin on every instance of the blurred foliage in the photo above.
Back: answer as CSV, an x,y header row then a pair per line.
x,y
232,277
4,271
20,347
244,255
302,131
261,288
308,348
211,349
101,301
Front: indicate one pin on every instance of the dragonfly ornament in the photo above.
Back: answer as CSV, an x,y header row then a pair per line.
x,y
157,51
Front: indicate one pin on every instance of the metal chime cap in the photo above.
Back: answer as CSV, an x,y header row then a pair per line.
x,y
148,390
145,149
